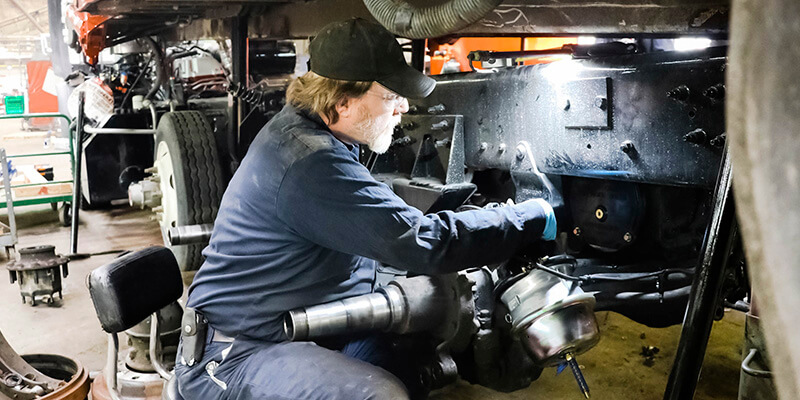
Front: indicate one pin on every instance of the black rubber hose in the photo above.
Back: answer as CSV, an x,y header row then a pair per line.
x,y
158,59
133,86
653,309
412,22
612,300
559,259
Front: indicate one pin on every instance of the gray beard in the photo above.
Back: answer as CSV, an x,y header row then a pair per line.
x,y
381,143
376,133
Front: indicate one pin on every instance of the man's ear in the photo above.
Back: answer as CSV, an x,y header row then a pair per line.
x,y
344,107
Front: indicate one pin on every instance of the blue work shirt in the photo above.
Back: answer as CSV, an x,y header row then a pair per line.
x,y
302,222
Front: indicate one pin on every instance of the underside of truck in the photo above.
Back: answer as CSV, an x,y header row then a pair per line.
x,y
616,117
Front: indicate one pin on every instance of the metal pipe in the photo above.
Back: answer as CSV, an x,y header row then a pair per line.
x,y
111,365
239,73
154,115
706,290
118,131
190,234
403,306
76,171
12,219
361,313
36,115
155,347
483,55
753,371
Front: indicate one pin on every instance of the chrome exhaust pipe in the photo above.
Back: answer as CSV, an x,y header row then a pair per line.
x,y
405,306
368,312
190,234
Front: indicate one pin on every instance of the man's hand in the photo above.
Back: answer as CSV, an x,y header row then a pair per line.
x,y
551,226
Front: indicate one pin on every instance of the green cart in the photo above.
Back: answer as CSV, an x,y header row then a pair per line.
x,y
9,239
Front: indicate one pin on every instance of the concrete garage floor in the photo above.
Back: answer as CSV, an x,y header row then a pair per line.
x,y
614,369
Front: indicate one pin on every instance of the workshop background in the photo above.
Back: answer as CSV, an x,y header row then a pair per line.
x,y
631,361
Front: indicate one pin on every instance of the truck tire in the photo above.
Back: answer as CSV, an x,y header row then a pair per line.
x,y
190,178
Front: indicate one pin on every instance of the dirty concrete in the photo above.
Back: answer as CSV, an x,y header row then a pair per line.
x,y
614,369
70,327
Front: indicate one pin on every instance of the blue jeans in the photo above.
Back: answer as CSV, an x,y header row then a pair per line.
x,y
290,370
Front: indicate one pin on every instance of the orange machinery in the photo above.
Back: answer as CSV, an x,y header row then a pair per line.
x,y
39,100
458,49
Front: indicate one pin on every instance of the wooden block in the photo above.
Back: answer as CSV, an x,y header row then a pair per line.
x,y
27,174
42,190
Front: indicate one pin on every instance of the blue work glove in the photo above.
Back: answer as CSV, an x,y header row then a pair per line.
x,y
550,226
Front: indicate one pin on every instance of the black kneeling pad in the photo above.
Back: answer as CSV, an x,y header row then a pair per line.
x,y
130,288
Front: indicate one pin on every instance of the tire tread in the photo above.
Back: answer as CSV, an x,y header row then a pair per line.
x,y
194,138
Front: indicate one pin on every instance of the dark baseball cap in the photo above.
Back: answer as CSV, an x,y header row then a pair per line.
x,y
359,50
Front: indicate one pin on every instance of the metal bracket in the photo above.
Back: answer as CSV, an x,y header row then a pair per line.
x,y
429,147
530,182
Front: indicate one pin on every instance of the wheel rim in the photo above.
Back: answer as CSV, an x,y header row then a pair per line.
x,y
169,198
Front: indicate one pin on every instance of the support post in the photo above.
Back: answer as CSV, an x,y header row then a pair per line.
x,y
239,72
706,290
76,179
418,54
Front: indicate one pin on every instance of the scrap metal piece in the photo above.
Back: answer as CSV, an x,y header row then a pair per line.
x,y
38,272
75,379
19,380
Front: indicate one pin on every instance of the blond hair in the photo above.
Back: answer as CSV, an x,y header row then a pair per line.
x,y
320,95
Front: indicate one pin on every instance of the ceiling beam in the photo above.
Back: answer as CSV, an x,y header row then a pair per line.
x,y
28,15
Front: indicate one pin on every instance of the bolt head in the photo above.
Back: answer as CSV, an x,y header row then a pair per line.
x,y
576,231
520,152
501,148
626,146
718,141
627,237
484,146
600,102
680,93
187,329
697,136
